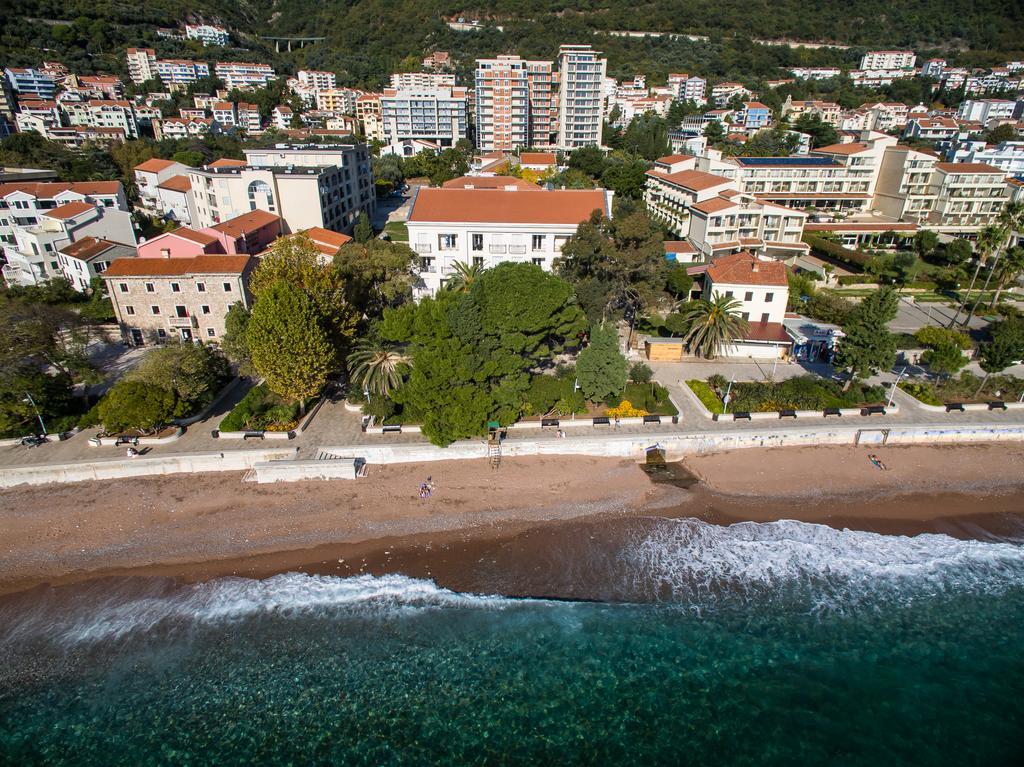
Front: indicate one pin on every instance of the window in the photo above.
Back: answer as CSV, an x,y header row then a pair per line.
x,y
150,288
745,315
129,310
259,192
764,317
768,297
201,287
478,242
155,309
478,261
211,332
446,241
204,309
537,261
161,333
728,294
537,242
123,287
227,287
181,311
749,296
175,287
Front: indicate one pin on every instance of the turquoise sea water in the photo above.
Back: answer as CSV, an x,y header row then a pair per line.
x,y
778,644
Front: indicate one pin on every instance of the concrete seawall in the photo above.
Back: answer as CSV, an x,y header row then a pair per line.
x,y
185,463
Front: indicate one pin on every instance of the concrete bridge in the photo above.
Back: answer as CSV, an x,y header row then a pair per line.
x,y
289,40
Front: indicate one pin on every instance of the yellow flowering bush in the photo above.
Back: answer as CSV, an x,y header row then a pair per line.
x,y
625,409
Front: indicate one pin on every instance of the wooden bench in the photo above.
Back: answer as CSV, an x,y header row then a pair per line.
x,y
831,411
873,410
787,414
133,441
602,420
954,406
391,429
252,435
652,419
549,423
997,406
741,415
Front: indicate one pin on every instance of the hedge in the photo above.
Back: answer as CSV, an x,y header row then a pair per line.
x,y
706,395
858,279
835,250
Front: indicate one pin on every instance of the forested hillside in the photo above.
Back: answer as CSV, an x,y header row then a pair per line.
x,y
367,39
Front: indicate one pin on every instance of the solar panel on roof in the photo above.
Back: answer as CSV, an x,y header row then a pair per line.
x,y
793,162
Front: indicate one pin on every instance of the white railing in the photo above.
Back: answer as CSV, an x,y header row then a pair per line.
x,y
182,322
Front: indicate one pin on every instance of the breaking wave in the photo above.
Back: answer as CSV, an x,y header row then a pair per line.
x,y
694,563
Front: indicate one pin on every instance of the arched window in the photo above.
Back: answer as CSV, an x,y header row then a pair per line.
x,y
261,196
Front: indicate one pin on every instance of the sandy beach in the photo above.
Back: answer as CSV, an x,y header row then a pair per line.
x,y
203,526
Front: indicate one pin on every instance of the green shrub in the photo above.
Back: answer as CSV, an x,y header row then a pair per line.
x,y
801,393
922,392
651,397
261,410
933,337
544,392
706,395
824,247
640,372
857,279
136,405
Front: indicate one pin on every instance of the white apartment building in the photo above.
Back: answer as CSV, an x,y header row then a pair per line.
x,y
181,127
208,34
339,100
22,203
224,113
580,115
933,68
515,105
33,257
439,115
417,80
30,83
141,64
733,222
148,177
968,197
281,117
248,118
903,191
317,80
243,74
986,111
491,226
815,73
674,185
723,93
888,60
827,111
105,114
1007,156
181,72
307,186
761,288
934,129
686,87
85,259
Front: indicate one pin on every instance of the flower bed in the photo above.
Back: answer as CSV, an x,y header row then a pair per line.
x,y
706,395
801,393
965,389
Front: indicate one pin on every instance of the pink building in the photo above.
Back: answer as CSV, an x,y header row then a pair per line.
x,y
250,233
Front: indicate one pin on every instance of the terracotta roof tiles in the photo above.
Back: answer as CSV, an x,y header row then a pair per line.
x,y
177,267
745,269
564,206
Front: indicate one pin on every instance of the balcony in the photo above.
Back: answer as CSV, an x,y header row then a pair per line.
x,y
182,322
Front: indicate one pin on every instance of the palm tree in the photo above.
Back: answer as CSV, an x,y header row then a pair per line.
x,y
1011,266
1011,219
464,276
714,324
374,366
988,242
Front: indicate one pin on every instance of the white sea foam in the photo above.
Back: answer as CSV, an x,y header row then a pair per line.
x,y
117,614
692,562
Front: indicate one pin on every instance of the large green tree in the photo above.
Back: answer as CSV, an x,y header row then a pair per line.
x,y
133,404
288,343
192,373
868,345
601,369
713,324
377,275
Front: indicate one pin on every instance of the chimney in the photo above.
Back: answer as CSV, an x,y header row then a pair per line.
x,y
754,265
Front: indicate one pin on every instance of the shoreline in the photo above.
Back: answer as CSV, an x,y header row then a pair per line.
x,y
192,529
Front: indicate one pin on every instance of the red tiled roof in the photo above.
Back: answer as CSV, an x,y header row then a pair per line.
x,y
87,247
489,182
239,226
967,167
767,331
679,246
852,148
174,267
70,210
714,205
671,159
227,162
745,269
177,183
694,180
563,206
48,189
154,165
200,238
538,158
327,241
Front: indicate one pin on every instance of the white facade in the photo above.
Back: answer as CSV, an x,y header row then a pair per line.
x,y
317,80
1007,156
888,60
492,226
985,111
28,82
580,114
439,115
418,80
105,114
207,34
243,74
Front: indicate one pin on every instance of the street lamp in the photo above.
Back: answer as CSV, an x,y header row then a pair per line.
x,y
728,396
895,386
32,402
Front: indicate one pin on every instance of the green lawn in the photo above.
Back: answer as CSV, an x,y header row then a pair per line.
x,y
397,231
